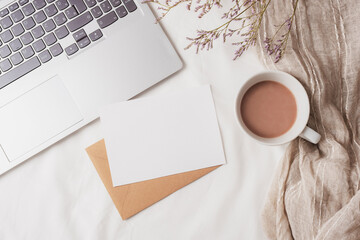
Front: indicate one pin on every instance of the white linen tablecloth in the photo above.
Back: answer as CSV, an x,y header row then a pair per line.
x,y
58,194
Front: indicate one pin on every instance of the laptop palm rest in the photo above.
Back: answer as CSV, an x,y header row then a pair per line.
x,y
35,117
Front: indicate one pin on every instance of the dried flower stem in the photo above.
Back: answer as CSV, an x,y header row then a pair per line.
x,y
243,20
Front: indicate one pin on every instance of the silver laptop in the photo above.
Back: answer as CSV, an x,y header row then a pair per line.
x,y
62,60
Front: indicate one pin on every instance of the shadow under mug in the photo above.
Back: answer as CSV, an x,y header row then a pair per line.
x,y
299,127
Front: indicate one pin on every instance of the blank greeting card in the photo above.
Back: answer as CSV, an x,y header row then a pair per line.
x,y
159,136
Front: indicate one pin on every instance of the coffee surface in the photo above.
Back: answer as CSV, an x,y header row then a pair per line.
x,y
268,109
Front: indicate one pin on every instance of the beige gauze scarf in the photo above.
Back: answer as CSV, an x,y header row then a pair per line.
x,y
314,194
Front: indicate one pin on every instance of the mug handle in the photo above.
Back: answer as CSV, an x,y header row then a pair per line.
x,y
310,135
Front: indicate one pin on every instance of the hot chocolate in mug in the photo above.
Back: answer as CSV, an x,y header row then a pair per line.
x,y
273,108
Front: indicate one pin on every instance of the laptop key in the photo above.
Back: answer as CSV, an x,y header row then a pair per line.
x,y
27,52
38,32
90,3
38,4
121,11
28,9
15,45
70,50
95,35
49,25
39,45
71,12
6,36
107,20
60,19
61,32
23,2
79,35
5,51
105,6
51,10
50,39
96,12
84,42
4,12
79,5
79,22
17,16
5,65
19,71
27,38
17,29
56,50
130,5
62,4
45,56
29,23
16,59
40,16
6,22
115,3
13,7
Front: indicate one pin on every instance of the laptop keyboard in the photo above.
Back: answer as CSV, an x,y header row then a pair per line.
x,y
30,31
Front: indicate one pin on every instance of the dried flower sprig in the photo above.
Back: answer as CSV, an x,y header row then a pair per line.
x,y
278,46
201,6
242,21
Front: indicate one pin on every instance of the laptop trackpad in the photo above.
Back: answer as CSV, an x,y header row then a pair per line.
x,y
35,117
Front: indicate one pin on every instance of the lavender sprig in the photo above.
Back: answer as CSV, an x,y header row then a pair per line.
x,y
242,22
200,6
278,46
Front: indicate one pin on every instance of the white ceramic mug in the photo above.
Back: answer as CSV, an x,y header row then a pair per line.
x,y
299,127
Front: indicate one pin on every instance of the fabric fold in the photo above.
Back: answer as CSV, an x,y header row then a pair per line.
x,y
314,194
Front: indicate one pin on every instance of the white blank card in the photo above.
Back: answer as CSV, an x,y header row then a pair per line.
x,y
159,136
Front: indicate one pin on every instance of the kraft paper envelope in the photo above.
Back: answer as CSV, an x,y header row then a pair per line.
x,y
133,198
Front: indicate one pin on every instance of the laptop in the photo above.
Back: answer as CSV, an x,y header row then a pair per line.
x,y
62,60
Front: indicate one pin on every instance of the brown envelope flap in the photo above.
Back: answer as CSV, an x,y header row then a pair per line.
x,y
133,198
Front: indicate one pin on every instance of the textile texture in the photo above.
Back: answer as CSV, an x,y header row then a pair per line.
x,y
314,194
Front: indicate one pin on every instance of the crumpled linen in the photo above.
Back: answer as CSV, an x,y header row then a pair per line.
x,y
314,194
